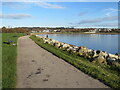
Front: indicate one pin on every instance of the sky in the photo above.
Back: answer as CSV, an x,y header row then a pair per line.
x,y
59,14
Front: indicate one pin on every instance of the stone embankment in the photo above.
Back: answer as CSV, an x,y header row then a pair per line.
x,y
95,56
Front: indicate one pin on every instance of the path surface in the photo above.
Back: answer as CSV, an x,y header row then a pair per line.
x,y
37,68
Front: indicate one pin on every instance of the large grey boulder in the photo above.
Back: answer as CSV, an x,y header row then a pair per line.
x,y
70,48
97,53
58,44
75,49
113,56
65,46
110,60
46,41
100,60
83,50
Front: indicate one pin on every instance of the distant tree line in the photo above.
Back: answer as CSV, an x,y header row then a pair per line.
x,y
13,30
62,29
112,30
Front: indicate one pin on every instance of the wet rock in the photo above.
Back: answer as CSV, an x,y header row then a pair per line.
x,y
88,56
75,49
46,41
104,54
99,59
94,54
58,44
97,53
66,45
70,48
110,60
83,51
113,56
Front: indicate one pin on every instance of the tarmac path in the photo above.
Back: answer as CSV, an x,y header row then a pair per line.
x,y
38,68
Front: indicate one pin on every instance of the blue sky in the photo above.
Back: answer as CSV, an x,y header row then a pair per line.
x,y
53,14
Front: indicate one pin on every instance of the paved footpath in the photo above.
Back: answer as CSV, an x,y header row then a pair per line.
x,y
37,68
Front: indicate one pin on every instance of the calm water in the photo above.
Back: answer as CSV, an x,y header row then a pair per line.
x,y
107,43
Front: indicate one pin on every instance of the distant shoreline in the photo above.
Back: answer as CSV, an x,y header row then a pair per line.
x,y
73,33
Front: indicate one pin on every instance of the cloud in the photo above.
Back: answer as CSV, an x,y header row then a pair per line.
x,y
15,5
115,24
98,20
24,5
82,13
110,11
48,5
15,16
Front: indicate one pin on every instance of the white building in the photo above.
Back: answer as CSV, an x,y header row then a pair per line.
x,y
46,30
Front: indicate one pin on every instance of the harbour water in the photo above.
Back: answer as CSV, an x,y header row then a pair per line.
x,y
108,43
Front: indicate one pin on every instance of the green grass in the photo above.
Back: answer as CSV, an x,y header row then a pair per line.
x,y
9,54
0,61
103,73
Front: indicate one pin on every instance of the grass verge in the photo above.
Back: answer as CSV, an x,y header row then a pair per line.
x,y
9,54
103,73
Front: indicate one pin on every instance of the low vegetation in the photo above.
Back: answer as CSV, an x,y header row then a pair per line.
x,y
0,61
9,54
14,30
104,73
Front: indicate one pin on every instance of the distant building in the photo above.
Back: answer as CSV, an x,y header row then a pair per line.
x,y
57,30
103,29
33,31
46,30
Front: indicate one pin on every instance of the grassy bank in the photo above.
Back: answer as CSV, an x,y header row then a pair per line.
x,y
0,61
104,73
9,54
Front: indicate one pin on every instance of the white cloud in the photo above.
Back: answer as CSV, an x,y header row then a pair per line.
x,y
24,5
110,11
15,16
15,5
98,20
108,21
48,5
115,24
